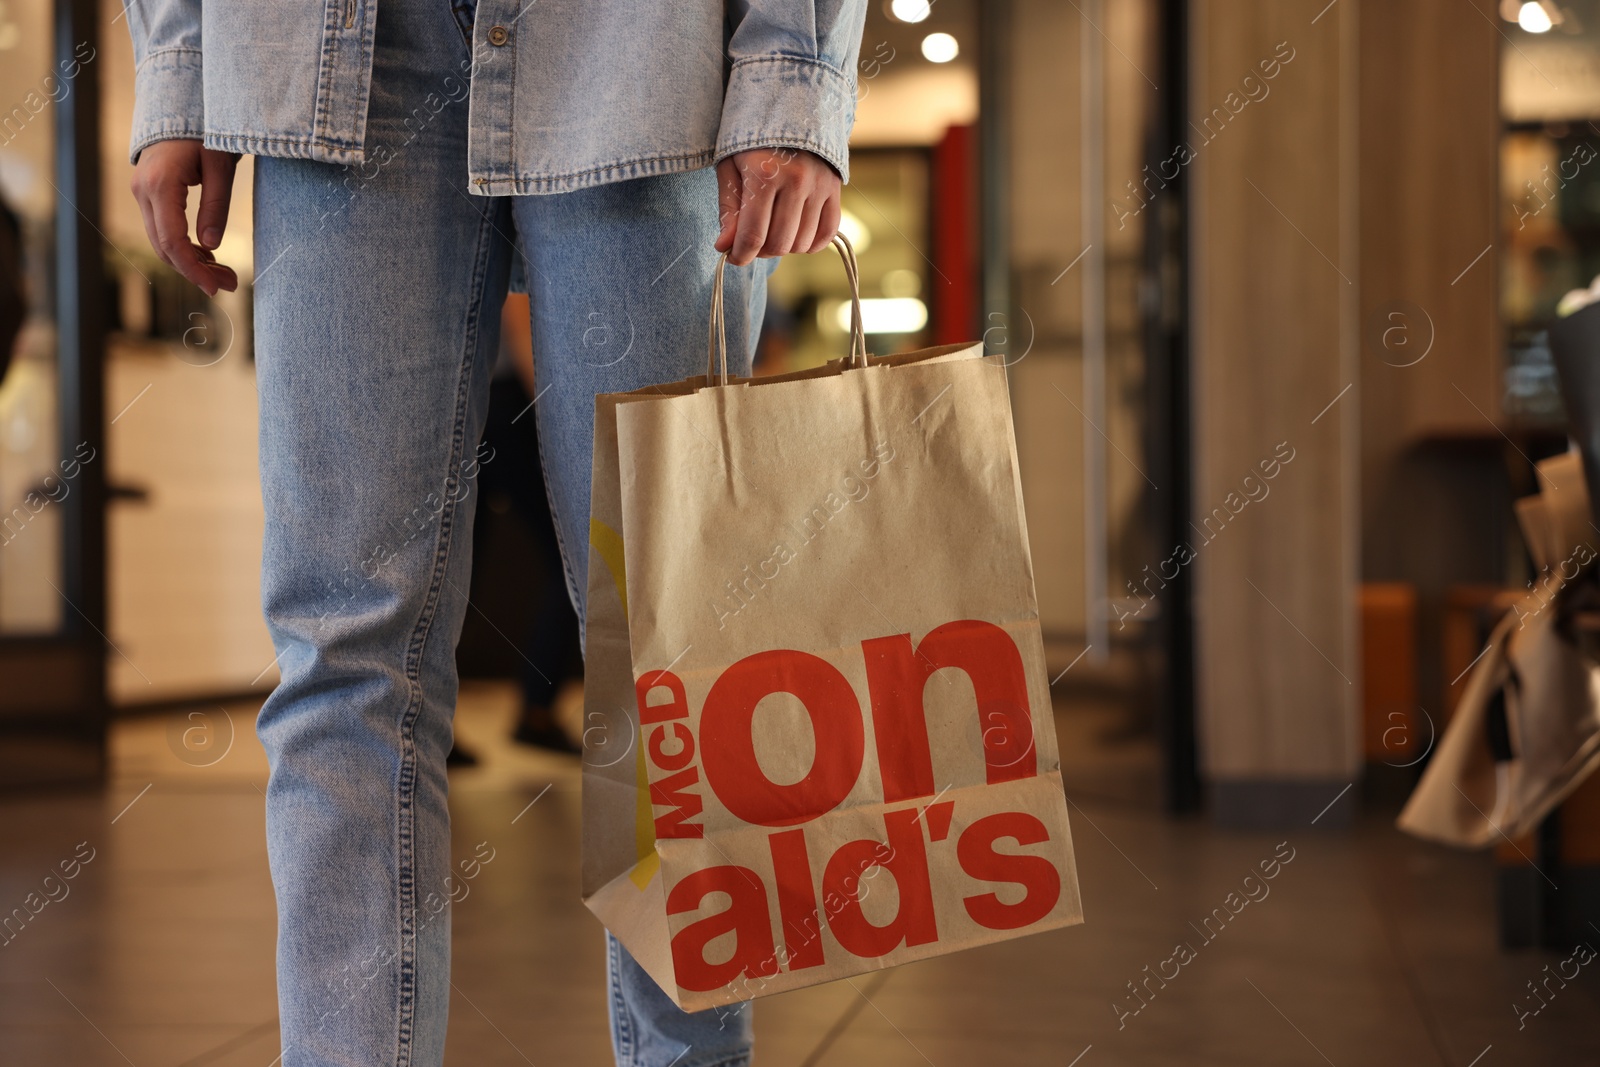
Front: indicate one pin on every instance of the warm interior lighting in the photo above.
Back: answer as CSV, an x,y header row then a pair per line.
x,y
901,282
855,231
1531,17
942,48
910,10
904,314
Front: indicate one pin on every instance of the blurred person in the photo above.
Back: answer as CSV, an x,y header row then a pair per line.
x,y
550,651
627,144
775,350
13,289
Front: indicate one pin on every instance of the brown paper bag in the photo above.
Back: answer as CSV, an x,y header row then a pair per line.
x,y
1526,732
819,737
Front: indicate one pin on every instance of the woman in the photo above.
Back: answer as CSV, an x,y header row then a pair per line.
x,y
397,143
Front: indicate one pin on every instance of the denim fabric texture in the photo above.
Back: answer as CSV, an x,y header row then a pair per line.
x,y
377,299
565,94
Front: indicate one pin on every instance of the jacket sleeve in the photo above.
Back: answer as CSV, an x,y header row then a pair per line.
x,y
167,98
793,77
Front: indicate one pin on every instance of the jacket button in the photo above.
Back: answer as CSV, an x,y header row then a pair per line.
x,y
499,36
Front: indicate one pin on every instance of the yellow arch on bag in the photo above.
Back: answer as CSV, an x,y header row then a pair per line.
x,y
608,543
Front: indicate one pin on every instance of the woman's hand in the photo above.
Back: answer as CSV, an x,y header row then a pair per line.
x,y
161,181
775,201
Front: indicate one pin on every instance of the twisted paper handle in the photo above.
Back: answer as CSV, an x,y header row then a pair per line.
x,y
717,341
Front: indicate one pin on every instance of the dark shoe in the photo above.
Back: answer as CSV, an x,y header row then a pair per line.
x,y
549,738
460,757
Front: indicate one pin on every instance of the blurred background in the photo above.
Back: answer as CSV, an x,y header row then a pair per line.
x,y
1273,280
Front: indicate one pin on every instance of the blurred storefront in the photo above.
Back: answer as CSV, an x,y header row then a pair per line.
x,y
965,228
1273,282
1187,227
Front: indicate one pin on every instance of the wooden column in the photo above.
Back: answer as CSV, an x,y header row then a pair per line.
x,y
1435,499
1276,406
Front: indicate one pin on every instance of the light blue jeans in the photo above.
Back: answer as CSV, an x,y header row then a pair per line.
x,y
377,298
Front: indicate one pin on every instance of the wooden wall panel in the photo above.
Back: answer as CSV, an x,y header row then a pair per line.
x,y
1275,274
1429,164
1434,511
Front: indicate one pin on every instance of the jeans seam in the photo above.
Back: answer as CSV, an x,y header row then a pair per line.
x,y
465,16
623,1021
645,166
406,786
322,104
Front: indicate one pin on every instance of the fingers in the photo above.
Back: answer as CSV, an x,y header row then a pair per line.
x,y
167,202
143,201
161,184
788,209
755,218
774,202
216,191
827,224
728,186
806,235
222,277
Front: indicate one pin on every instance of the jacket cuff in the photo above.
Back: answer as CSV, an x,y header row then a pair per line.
x,y
788,101
168,99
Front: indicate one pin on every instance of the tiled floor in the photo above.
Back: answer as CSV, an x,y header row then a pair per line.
x,y
1369,949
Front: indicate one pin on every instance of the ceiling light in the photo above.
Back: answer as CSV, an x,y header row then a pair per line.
x,y
1531,17
910,10
942,48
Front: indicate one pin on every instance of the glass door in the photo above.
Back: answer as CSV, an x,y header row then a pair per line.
x,y
52,601
1083,295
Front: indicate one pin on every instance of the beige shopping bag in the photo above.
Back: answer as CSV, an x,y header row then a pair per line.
x,y
1526,732
818,727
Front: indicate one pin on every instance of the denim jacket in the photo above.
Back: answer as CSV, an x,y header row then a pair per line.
x,y
596,90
